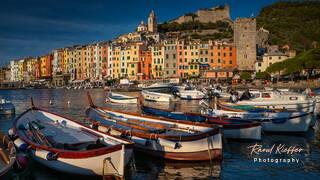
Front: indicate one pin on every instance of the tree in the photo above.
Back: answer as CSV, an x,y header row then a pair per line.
x,y
245,76
262,75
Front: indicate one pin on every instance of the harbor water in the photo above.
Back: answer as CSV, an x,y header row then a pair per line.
x,y
295,156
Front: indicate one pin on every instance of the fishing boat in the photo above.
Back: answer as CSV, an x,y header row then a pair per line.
x,y
157,96
271,121
244,108
8,159
189,93
280,100
6,107
166,138
122,99
68,146
232,128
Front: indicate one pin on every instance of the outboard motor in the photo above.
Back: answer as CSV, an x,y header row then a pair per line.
x,y
233,98
245,96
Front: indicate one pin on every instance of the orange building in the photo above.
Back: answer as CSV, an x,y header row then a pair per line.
x,y
222,56
144,65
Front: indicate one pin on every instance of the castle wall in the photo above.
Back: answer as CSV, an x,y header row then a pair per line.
x,y
206,15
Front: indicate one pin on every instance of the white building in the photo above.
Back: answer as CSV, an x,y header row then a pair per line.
x,y
14,68
268,59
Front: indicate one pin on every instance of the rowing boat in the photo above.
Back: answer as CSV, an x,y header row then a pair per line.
x,y
166,138
68,146
156,96
120,98
7,156
271,121
232,128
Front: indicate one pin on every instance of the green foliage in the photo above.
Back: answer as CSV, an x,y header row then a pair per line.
x,y
194,25
262,75
294,23
245,76
308,60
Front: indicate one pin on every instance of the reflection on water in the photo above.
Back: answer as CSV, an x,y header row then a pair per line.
x,y
238,162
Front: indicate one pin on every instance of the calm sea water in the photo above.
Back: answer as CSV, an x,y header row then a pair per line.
x,y
238,161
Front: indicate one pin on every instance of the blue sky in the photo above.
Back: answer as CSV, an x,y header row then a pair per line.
x,y
35,27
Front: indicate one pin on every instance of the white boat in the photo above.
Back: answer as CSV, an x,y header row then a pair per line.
x,y
120,98
158,86
271,121
165,138
189,93
280,100
156,96
68,146
6,107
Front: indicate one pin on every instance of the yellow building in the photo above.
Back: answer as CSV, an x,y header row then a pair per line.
x,y
191,54
116,69
157,52
133,60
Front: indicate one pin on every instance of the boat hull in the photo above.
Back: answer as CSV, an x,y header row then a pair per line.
x,y
156,97
246,130
121,99
249,133
188,145
7,111
97,165
293,124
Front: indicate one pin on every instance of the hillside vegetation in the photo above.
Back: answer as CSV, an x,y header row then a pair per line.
x,y
307,61
294,23
195,28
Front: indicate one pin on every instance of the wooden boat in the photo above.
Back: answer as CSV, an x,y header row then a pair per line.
x,y
271,121
165,138
6,107
8,156
244,108
119,98
156,96
232,128
68,146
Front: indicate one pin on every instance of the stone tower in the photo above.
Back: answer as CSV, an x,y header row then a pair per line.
x,y
152,23
245,41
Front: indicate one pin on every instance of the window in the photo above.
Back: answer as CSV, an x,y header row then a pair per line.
x,y
230,62
270,63
180,53
180,60
230,54
270,58
218,53
174,71
212,61
174,56
167,65
259,64
174,65
201,59
185,60
224,54
191,66
167,72
219,60
167,56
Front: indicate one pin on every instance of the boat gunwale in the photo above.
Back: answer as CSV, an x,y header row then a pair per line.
x,y
214,129
71,154
249,124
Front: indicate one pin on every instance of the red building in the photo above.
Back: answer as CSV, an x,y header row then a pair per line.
x,y
144,65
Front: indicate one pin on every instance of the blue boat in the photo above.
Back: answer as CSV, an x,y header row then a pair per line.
x,y
232,128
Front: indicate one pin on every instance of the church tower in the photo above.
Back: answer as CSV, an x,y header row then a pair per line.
x,y
152,23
